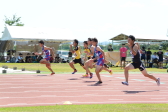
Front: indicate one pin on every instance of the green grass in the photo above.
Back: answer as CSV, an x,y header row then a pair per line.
x,y
92,108
64,67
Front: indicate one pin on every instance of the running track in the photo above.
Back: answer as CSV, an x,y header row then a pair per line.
x,y
42,89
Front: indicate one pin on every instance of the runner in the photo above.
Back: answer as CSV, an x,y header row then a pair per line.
x,y
99,57
46,60
134,50
77,53
92,63
87,52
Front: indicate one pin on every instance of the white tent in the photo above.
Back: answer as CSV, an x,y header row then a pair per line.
x,y
21,33
26,38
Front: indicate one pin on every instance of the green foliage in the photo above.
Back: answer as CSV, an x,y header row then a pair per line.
x,y
164,46
14,21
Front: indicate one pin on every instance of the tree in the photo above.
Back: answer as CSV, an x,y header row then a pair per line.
x,y
15,21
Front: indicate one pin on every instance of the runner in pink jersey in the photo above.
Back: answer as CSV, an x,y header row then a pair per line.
x,y
123,55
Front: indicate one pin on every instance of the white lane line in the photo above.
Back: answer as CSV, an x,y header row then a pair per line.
x,y
4,97
32,91
71,89
158,98
48,96
115,99
18,104
25,104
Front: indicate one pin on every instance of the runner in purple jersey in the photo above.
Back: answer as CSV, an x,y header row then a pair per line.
x,y
46,59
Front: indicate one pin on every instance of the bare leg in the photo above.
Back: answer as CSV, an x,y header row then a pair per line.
x,y
44,61
98,69
72,65
87,64
128,67
144,72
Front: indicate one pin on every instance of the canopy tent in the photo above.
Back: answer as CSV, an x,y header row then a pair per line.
x,y
22,38
140,38
21,33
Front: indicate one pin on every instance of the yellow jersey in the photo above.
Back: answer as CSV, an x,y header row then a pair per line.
x,y
88,50
77,53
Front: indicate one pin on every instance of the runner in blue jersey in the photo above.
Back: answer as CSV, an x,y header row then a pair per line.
x,y
46,59
135,52
99,58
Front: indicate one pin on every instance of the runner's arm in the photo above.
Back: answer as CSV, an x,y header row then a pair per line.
x,y
134,50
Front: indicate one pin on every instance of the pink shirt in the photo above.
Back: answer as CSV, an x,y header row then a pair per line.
x,y
123,51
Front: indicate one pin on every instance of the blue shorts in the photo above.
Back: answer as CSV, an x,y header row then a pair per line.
x,y
100,62
47,58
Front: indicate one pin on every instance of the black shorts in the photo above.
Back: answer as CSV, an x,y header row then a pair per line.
x,y
78,61
138,65
123,58
89,58
148,58
143,58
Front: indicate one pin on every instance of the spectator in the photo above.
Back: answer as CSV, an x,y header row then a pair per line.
x,y
69,56
34,58
155,58
143,55
166,56
123,55
148,55
19,59
160,54
39,58
110,48
57,59
28,58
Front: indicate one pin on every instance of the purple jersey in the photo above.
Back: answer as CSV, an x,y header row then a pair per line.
x,y
99,56
46,53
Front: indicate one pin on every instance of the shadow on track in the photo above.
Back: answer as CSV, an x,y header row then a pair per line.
x,y
134,92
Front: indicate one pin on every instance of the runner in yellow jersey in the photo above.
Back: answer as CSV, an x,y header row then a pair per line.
x,y
77,53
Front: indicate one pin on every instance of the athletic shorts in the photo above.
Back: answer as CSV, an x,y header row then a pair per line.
x,y
123,58
143,58
78,61
88,58
100,62
47,58
138,65
148,58
160,60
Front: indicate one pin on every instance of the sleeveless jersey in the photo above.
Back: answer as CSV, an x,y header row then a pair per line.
x,y
77,53
135,58
46,53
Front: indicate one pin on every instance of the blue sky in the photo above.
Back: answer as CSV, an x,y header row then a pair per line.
x,y
92,18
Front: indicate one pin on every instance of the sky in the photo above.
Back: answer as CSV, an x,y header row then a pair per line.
x,y
103,19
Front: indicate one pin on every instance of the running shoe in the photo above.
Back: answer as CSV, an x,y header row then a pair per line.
x,y
99,82
52,73
111,72
74,72
125,83
91,75
158,82
86,75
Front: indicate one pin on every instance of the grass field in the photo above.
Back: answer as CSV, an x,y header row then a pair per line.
x,y
92,108
64,68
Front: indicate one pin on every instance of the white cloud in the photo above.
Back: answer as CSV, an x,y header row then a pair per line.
x,y
132,5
